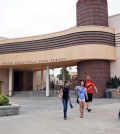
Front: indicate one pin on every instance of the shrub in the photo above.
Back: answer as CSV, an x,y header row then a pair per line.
x,y
113,82
4,100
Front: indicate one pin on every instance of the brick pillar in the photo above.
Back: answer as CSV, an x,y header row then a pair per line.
x,y
99,71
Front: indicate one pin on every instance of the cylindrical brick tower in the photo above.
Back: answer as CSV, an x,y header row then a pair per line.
x,y
99,71
92,12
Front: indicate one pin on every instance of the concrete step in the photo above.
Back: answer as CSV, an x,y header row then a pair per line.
x,y
38,93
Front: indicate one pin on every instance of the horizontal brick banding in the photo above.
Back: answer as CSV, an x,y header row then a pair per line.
x,y
117,39
99,71
79,38
92,12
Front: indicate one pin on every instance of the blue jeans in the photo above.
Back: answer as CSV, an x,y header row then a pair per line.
x,y
65,105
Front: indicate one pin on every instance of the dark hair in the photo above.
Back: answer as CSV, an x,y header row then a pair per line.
x,y
62,87
65,82
81,81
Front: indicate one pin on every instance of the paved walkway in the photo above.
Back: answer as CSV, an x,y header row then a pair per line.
x,y
41,115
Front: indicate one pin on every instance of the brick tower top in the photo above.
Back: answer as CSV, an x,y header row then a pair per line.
x,y
92,12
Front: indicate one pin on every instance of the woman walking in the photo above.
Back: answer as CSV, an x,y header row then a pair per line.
x,y
118,93
52,88
65,98
81,97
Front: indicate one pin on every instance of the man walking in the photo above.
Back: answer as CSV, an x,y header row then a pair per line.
x,y
52,86
89,86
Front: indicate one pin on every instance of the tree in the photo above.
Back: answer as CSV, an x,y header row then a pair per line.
x,y
67,74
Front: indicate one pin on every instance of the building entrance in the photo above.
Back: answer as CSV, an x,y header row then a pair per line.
x,y
18,80
23,80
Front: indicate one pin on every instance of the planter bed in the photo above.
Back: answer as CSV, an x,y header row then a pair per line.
x,y
12,109
113,93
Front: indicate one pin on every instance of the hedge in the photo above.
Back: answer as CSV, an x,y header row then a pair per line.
x,y
4,100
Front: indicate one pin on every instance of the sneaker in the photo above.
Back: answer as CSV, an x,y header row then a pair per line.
x,y
65,118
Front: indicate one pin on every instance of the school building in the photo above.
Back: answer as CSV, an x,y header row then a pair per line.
x,y
93,45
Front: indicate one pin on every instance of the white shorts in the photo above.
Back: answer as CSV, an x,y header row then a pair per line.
x,y
83,100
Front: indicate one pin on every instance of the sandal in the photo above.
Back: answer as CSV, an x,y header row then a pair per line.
x,y
81,116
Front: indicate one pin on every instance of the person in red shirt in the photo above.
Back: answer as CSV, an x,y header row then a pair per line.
x,y
89,87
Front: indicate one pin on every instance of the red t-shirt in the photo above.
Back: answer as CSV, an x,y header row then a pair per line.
x,y
89,86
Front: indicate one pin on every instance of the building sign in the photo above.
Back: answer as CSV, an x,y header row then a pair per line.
x,y
34,62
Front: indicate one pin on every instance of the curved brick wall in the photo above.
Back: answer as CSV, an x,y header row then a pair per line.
x,y
99,71
92,12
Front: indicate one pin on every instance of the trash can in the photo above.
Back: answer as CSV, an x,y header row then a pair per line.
x,y
108,94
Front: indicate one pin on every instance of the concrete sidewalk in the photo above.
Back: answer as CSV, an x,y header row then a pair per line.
x,y
44,116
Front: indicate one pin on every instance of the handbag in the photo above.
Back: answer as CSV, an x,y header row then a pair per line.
x,y
77,100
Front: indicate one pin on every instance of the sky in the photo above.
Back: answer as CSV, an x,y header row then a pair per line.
x,y
22,18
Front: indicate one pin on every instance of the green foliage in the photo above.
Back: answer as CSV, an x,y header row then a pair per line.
x,y
67,74
4,100
113,82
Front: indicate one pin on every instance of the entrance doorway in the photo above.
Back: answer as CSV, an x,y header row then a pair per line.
x,y
18,80
23,80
